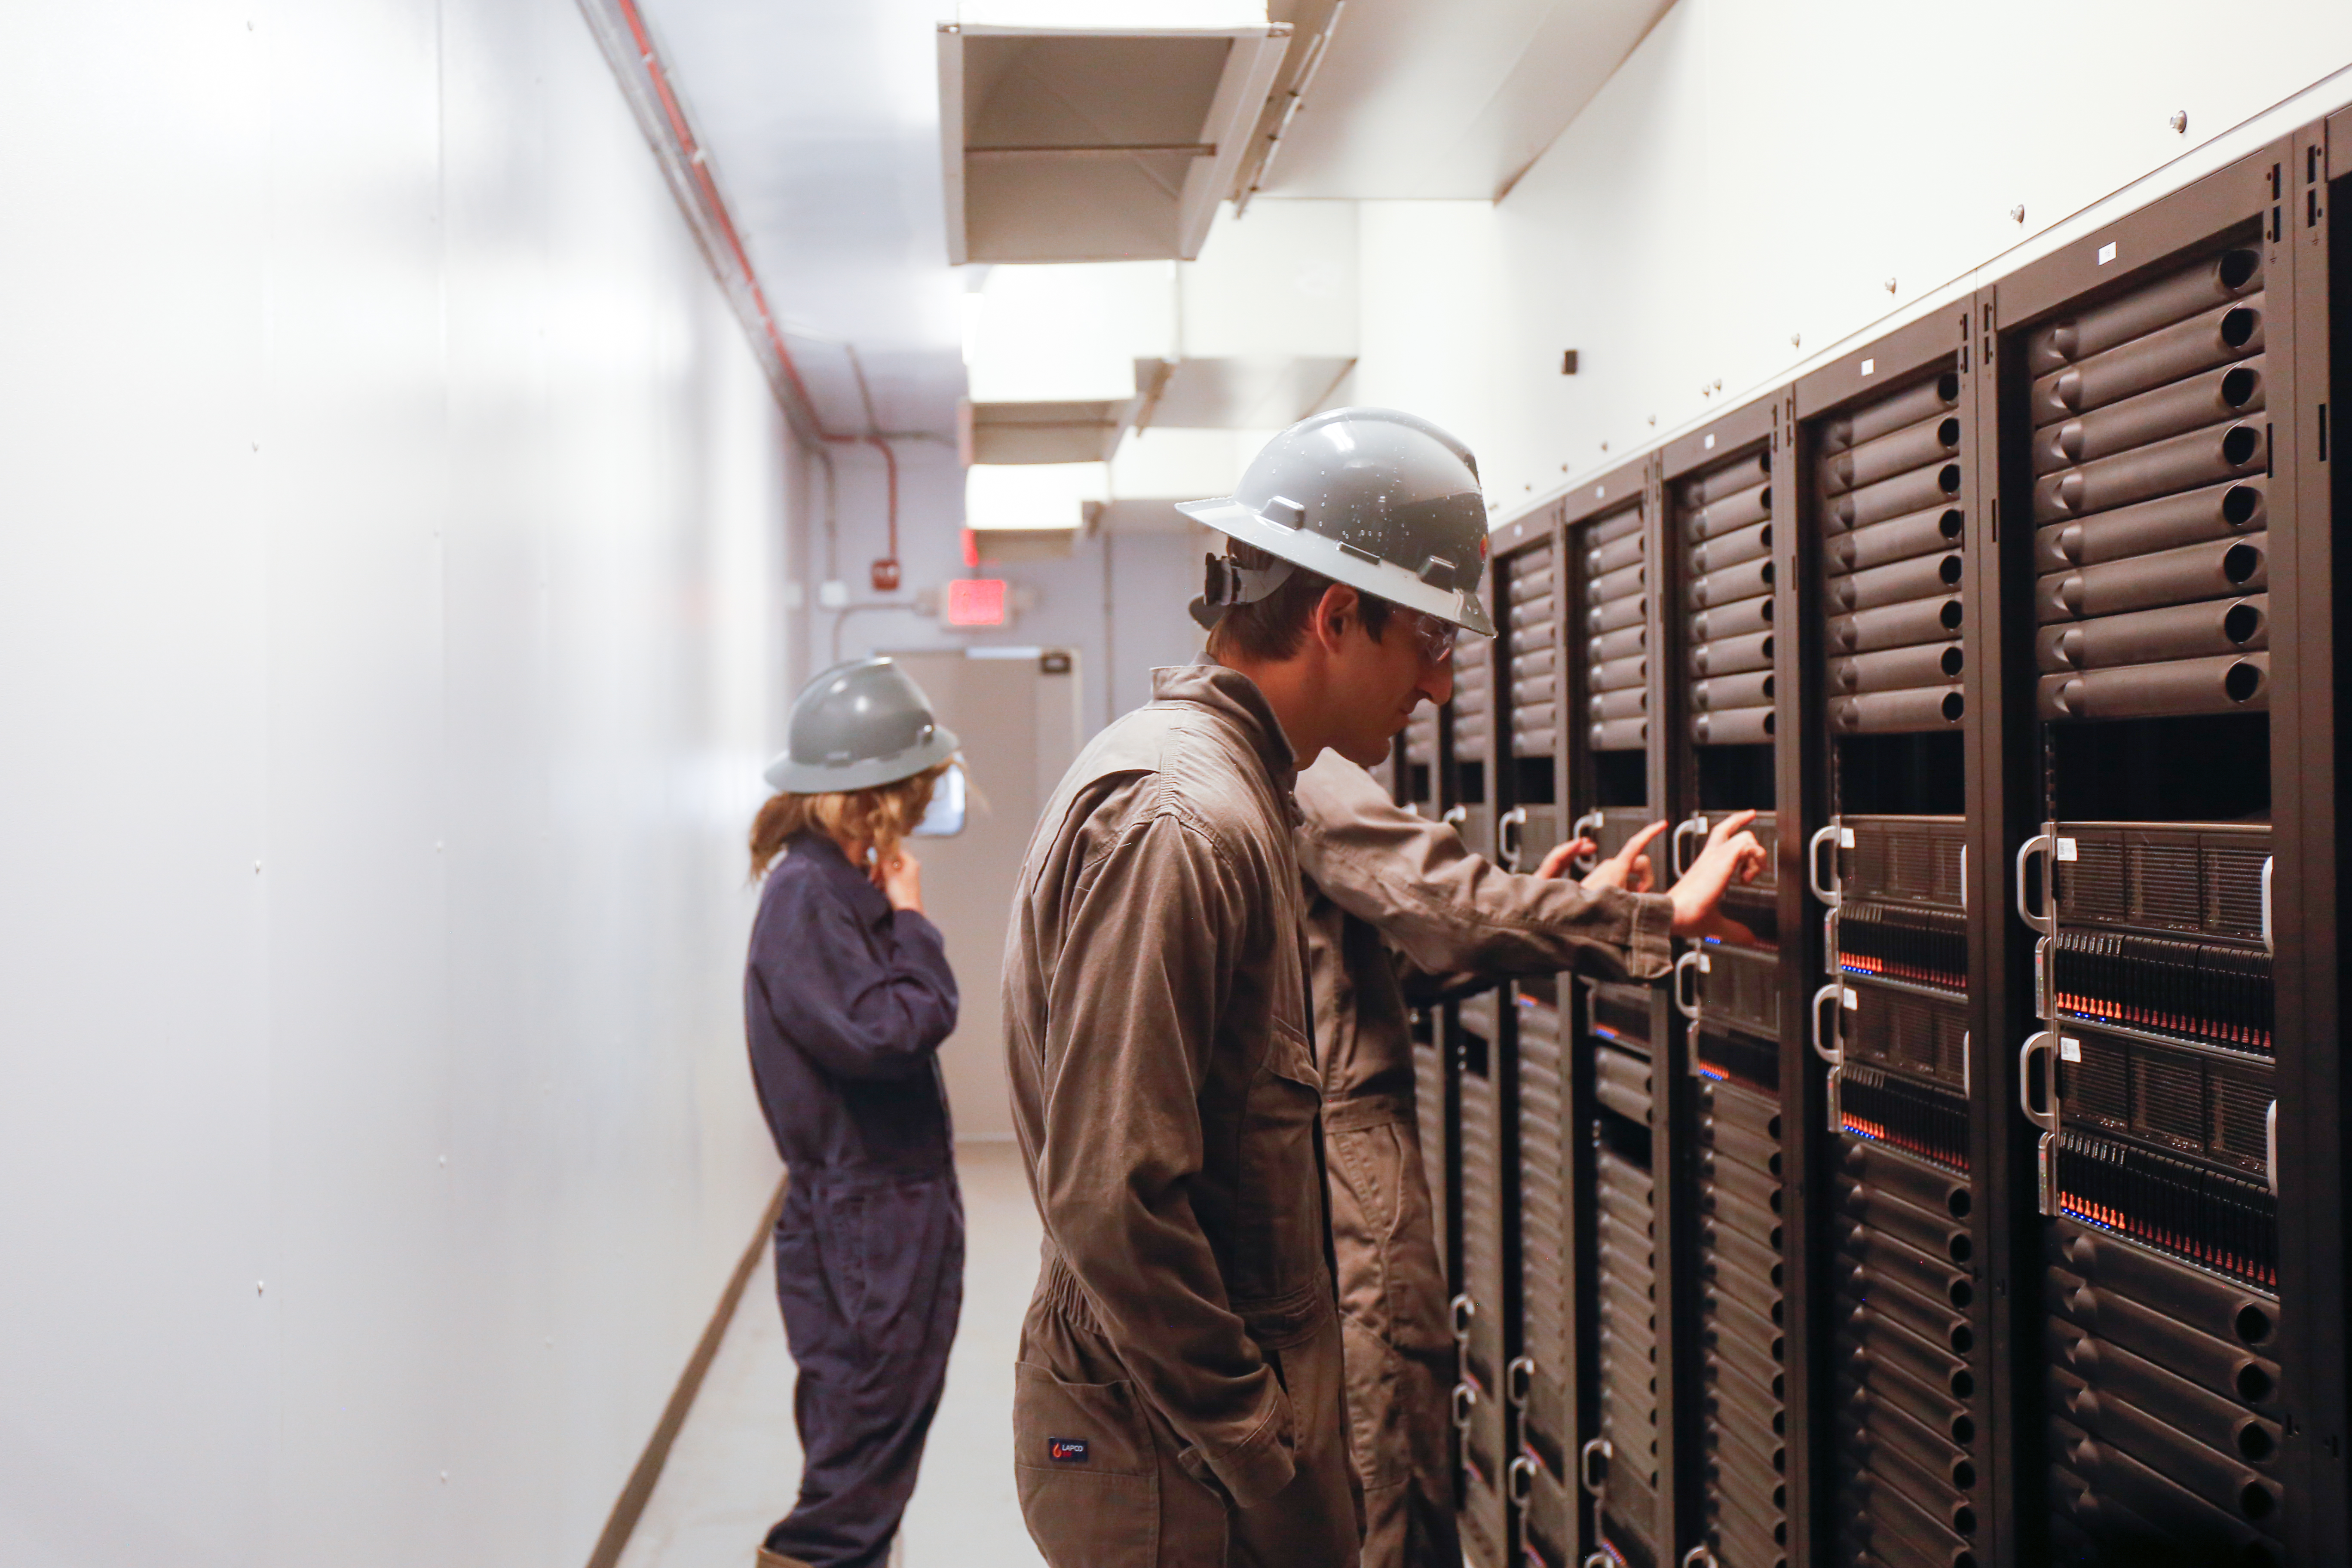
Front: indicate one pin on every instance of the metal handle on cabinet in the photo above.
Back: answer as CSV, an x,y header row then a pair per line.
x,y
1699,1557
2270,1146
1827,895
1596,1560
1463,1310
1454,816
2268,945
1695,827
1519,1377
2045,923
1588,825
1687,963
1506,843
1598,1449
1519,1479
1833,1055
1466,1400
2046,1046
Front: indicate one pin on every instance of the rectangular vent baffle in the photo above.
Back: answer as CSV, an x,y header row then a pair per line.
x,y
2150,452
1893,516
1546,1329
1531,672
1620,1466
1617,587
1471,727
1481,1321
1726,531
1742,1336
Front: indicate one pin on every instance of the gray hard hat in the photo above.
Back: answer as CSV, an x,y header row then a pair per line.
x,y
1381,501
857,725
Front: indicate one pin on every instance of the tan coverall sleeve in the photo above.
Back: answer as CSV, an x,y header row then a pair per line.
x,y
1450,911
1135,1000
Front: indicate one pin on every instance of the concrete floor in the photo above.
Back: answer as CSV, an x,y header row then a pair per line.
x,y
736,1464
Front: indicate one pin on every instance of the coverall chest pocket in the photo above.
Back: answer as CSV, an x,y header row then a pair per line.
x,y
1282,1197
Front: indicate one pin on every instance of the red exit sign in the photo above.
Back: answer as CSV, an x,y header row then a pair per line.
x,y
975,601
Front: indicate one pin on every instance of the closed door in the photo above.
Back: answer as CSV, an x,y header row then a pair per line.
x,y
1016,712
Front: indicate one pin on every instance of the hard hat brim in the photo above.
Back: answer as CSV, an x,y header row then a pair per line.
x,y
816,778
1382,579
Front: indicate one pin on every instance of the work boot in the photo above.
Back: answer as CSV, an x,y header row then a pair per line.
x,y
768,1559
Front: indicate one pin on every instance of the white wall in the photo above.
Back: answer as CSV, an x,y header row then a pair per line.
x,y
390,635
1755,173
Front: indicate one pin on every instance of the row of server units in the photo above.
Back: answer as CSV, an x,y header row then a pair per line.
x,y
1983,1204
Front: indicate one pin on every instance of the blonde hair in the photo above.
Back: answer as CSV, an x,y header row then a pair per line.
x,y
880,815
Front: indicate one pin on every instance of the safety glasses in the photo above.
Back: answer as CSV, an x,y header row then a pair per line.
x,y
1434,636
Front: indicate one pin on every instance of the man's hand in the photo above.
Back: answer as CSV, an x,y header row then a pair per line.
x,y
1731,852
901,877
1630,867
1556,863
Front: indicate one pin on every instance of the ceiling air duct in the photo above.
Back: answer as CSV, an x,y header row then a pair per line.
x,y
1069,145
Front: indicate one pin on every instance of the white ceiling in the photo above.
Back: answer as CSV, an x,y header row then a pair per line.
x,y
1439,99
822,121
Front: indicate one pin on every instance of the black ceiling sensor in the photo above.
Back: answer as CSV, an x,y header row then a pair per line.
x,y
1568,362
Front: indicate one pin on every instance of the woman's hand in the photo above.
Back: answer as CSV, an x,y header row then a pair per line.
x,y
1630,867
901,877
1731,852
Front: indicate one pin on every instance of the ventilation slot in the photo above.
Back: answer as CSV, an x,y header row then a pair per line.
x,y
1894,518
1617,587
2150,454
1547,1423
1727,534
1742,1334
1486,1158
1628,1360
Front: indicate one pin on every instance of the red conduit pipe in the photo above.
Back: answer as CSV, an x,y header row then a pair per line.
x,y
696,161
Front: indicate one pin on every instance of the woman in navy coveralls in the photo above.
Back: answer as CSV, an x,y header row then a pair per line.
x,y
847,996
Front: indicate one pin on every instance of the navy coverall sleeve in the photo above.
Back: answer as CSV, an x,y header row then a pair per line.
x,y
861,1003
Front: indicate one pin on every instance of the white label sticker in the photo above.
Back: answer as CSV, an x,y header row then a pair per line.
x,y
1848,1000
2069,1049
1845,837
1710,443
1601,492
2106,253
1869,366
2065,849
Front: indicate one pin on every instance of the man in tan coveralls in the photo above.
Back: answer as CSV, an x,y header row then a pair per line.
x,y
1385,885
1179,1398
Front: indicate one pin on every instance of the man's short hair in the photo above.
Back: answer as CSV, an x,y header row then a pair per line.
x,y
1269,630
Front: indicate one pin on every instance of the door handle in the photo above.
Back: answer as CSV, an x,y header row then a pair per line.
x,y
2268,945
1588,825
1463,1310
1519,1479
1598,1449
2046,922
1519,1377
1465,1402
1814,878
1693,826
2270,1146
2043,1045
1832,1054
1456,815
1699,1557
1506,842
1687,997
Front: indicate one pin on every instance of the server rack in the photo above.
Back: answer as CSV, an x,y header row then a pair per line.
x,y
1486,1064
1729,502
2040,1064
1531,591
2141,418
1889,437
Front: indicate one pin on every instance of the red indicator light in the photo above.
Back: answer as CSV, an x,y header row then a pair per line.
x,y
975,601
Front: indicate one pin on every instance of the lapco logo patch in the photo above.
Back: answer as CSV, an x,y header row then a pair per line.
x,y
1067,1450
